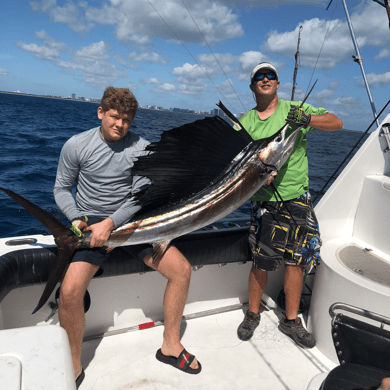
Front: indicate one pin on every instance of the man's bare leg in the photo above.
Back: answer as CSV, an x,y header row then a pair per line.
x,y
385,385
292,324
257,284
175,267
293,282
71,307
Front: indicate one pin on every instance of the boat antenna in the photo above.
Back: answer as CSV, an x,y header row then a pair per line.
x,y
358,59
191,55
345,159
296,64
216,59
386,5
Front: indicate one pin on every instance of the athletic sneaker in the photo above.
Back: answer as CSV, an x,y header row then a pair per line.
x,y
248,326
297,332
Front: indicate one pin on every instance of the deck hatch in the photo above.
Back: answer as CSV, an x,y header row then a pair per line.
x,y
364,263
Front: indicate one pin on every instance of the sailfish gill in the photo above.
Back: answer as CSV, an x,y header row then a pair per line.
x,y
200,172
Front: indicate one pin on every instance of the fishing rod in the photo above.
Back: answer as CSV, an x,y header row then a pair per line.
x,y
358,59
194,57
308,94
323,42
386,5
296,65
216,59
345,159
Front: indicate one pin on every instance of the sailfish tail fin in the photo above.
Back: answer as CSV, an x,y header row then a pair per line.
x,y
66,244
56,227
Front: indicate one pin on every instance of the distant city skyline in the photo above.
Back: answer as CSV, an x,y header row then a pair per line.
x,y
73,97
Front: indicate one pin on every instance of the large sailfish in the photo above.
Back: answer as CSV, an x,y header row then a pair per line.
x,y
200,172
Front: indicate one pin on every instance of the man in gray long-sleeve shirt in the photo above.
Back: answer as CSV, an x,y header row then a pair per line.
x,y
99,161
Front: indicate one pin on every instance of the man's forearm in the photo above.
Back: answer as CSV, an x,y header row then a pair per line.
x,y
66,203
326,122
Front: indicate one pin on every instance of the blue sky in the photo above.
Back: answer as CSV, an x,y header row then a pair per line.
x,y
63,47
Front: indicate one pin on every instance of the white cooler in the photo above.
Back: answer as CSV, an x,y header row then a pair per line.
x,y
36,357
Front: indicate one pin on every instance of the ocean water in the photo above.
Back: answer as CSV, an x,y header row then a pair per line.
x,y
34,129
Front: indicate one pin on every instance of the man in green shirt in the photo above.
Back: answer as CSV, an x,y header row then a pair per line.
x,y
284,227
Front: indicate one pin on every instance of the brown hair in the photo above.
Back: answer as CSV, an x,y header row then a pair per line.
x,y
120,99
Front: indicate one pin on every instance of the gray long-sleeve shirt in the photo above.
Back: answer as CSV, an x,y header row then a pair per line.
x,y
102,171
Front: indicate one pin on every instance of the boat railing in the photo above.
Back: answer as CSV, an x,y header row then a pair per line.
x,y
357,310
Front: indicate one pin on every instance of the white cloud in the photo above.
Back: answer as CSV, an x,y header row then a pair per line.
x,y
98,74
126,62
132,86
152,80
337,43
248,60
240,66
41,52
285,91
3,72
95,51
381,79
165,88
333,85
251,4
192,90
138,22
160,87
384,53
338,46
193,78
346,102
69,14
214,62
90,62
189,73
324,94
51,50
149,57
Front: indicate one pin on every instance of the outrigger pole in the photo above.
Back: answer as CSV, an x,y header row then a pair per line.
x,y
358,59
296,65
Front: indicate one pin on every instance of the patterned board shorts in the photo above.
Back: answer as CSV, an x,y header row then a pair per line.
x,y
276,235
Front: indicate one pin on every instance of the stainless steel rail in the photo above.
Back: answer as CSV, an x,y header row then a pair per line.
x,y
357,310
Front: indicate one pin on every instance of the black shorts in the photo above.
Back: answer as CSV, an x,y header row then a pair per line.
x,y
97,256
276,235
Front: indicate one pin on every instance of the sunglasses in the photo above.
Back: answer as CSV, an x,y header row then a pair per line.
x,y
260,76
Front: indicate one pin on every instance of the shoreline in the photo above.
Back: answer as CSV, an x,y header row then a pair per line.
x,y
95,102
48,97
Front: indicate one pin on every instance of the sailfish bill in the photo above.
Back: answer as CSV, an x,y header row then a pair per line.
x,y
200,172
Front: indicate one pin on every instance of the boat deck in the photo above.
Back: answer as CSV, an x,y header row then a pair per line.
x,y
270,360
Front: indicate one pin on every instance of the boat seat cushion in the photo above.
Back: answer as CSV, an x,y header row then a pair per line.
x,y
358,342
354,377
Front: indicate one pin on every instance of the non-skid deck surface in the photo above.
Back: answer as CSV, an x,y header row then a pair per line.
x,y
269,360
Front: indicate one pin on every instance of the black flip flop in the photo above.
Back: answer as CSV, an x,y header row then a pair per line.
x,y
80,378
182,362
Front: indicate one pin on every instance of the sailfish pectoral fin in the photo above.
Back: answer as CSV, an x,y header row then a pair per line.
x,y
159,249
